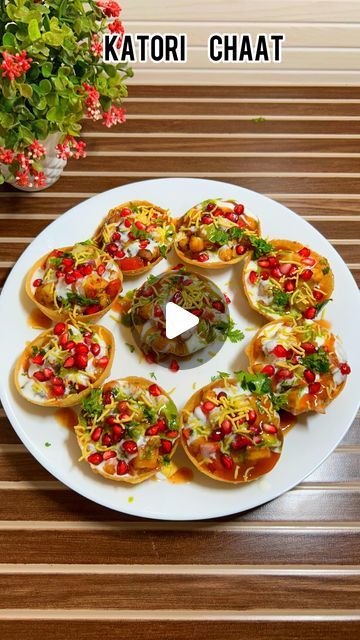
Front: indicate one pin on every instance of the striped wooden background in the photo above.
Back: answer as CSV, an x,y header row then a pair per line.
x,y
322,44
287,569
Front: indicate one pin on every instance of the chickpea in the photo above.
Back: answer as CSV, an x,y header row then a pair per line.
x,y
209,395
225,254
184,243
196,244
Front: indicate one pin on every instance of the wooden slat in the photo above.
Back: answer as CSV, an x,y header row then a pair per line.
x,y
178,630
261,91
60,591
252,109
246,76
302,545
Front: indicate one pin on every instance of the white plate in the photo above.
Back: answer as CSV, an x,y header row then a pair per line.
x,y
306,446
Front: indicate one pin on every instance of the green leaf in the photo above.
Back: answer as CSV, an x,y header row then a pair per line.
x,y
33,30
45,87
9,40
317,362
2,179
256,383
51,114
260,245
46,69
53,39
25,90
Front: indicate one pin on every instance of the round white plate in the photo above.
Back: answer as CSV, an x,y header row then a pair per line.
x,y
306,446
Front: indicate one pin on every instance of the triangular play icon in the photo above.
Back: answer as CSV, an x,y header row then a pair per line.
x,y
178,320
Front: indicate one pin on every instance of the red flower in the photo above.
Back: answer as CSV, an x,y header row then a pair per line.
x,y
110,8
23,160
22,178
71,148
92,102
14,65
115,115
36,150
96,46
6,155
39,179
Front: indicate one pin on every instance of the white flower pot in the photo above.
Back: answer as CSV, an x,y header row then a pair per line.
x,y
52,165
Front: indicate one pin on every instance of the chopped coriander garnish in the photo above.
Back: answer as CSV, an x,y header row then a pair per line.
x,y
320,305
47,444
153,375
280,299
163,250
256,383
151,279
220,376
260,246
131,347
317,362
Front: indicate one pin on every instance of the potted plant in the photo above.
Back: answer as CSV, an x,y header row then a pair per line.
x,y
51,77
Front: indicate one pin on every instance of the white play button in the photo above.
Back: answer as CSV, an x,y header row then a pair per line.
x,y
178,320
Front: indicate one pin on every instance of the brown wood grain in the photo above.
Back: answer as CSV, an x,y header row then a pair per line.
x,y
314,525
178,630
239,593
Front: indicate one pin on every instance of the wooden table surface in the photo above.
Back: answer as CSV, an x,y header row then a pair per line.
x,y
71,568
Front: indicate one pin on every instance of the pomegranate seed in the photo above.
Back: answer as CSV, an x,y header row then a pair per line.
x,y
203,257
70,278
221,394
268,370
115,236
264,275
251,417
240,249
210,207
276,273
264,263
68,346
226,461
81,360
218,305
158,312
317,294
94,308
37,282
68,262
216,435
309,376
38,359
127,223
152,431
172,434
122,468
120,254
57,381
310,313
166,446
177,297
59,274
125,212
140,225
77,274
96,434
154,390
107,397
100,270
106,440
226,427
308,347
117,432
239,209
253,277
269,428
285,268
232,216
310,262
69,362
59,328
161,423
227,299
63,339
289,286
292,270
40,376
280,351
306,275
284,374
95,458
304,252
95,348
48,373
174,366
102,362
207,406
240,442
314,388
144,244
58,390
273,261
88,270
80,347
150,358
206,220
130,446
107,455
345,369
122,406
68,269
112,249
